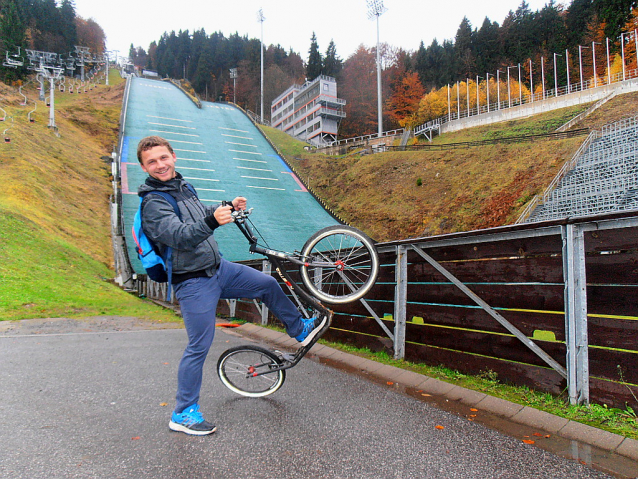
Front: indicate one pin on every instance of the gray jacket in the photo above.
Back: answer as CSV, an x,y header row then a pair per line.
x,y
195,251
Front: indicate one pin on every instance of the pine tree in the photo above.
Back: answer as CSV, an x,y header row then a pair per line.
x,y
314,66
332,64
132,54
420,65
615,14
487,47
12,28
67,24
12,37
577,18
463,46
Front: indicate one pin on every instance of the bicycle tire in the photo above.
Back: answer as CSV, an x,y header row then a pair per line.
x,y
237,368
353,259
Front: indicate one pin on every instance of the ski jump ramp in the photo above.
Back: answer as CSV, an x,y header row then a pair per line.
x,y
223,155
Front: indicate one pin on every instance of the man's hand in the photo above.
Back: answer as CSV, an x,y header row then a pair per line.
x,y
223,215
239,203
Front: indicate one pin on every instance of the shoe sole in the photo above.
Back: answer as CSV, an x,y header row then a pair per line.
x,y
315,331
173,426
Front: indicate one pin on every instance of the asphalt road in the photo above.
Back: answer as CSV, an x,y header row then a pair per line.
x,y
95,404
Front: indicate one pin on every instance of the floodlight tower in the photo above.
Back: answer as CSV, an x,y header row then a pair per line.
x,y
260,19
233,75
376,9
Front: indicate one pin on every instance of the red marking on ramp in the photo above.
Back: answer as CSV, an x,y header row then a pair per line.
x,y
124,179
294,177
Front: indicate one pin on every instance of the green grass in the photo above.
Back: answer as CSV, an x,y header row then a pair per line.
x,y
42,275
535,125
55,246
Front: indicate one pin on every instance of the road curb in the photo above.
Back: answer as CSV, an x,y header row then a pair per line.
x,y
524,415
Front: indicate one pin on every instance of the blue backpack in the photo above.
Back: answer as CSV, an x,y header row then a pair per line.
x,y
157,268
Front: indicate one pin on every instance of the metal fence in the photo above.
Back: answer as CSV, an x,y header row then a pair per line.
x,y
547,305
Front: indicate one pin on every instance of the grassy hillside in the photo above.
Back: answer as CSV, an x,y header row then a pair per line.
x,y
55,246
397,195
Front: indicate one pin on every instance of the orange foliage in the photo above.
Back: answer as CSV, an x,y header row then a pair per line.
x,y
403,104
90,34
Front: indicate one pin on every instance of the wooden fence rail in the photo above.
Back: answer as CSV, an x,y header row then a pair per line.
x,y
568,286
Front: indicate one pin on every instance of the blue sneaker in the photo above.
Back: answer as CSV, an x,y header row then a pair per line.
x,y
191,421
311,327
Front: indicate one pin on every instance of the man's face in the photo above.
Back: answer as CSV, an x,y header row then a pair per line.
x,y
159,163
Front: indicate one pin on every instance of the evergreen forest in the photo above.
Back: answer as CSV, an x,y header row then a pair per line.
x,y
413,80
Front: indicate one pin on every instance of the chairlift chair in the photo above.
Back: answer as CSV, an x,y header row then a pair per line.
x,y
13,61
7,139
35,107
24,103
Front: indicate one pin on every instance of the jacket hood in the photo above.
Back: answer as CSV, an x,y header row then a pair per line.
x,y
152,184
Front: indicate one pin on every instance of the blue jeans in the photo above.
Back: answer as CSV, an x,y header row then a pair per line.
x,y
198,298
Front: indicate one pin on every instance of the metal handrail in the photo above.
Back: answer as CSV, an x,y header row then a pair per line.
x,y
529,98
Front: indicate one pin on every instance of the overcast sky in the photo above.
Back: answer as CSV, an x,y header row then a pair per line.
x,y
290,23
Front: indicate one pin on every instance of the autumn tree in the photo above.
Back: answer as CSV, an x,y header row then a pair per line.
x,y
91,35
359,86
403,103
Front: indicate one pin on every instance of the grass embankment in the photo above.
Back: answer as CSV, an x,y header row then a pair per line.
x,y
398,195
55,245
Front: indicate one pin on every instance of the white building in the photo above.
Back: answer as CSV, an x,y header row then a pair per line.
x,y
310,112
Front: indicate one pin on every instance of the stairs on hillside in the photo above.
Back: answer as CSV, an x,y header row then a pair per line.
x,y
604,178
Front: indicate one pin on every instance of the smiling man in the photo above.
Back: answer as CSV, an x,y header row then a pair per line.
x,y
200,276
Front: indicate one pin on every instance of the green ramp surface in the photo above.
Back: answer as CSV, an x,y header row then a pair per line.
x,y
223,155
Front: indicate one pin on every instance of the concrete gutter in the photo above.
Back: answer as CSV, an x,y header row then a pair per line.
x,y
516,413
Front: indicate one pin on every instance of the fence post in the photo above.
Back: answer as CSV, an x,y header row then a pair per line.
x,y
265,268
232,307
576,313
400,299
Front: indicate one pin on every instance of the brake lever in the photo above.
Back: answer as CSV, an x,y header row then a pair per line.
x,y
238,215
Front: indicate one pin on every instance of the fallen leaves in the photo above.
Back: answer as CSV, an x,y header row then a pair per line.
x,y
470,417
439,427
528,440
163,404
